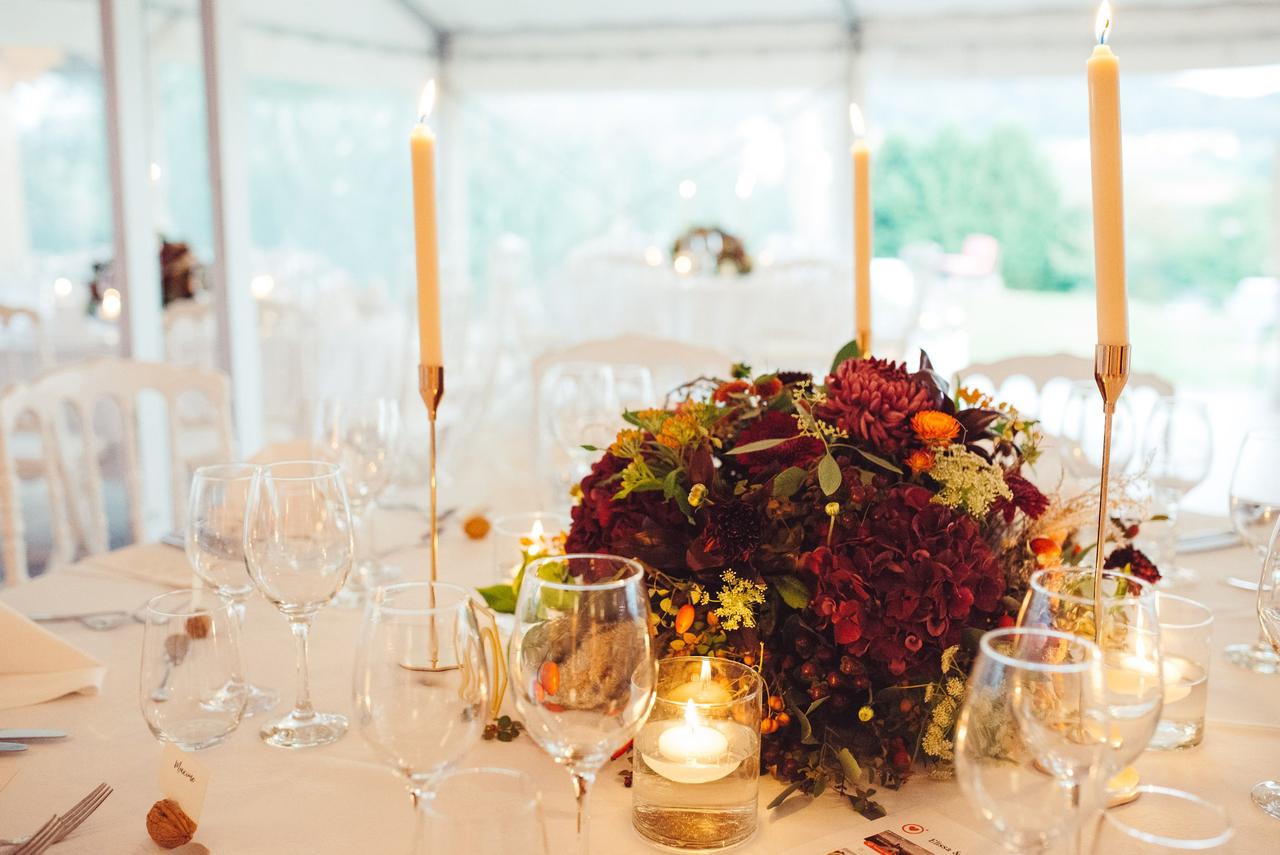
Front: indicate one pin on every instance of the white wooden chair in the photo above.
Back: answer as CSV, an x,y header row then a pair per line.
x,y
1040,372
66,404
670,362
189,333
17,321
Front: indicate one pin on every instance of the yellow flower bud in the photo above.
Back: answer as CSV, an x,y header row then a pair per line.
x,y
833,509
697,494
866,714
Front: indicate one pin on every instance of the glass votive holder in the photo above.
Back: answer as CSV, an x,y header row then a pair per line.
x,y
1186,629
696,775
520,538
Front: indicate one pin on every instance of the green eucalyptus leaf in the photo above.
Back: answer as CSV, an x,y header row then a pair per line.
x,y
760,445
813,706
788,482
793,592
880,461
829,476
782,796
852,771
849,351
500,597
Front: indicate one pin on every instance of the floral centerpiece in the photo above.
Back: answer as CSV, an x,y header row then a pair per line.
x,y
727,251
851,538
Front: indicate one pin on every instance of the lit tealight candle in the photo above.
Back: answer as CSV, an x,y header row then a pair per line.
x,y
692,743
111,305
704,690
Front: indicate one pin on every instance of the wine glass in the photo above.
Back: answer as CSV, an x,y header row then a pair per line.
x,y
582,669
1255,510
298,547
1266,794
190,654
1177,451
632,388
215,549
461,814
1030,737
1062,598
1145,825
360,436
1081,430
420,684
580,407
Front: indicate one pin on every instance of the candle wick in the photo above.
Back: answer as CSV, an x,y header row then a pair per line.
x,y
1106,31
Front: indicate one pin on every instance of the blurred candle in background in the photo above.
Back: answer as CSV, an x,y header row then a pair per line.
x,y
422,147
1108,185
861,155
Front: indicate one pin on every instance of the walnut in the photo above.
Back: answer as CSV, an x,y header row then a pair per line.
x,y
168,825
198,626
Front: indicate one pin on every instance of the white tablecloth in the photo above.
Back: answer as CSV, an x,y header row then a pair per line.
x,y
337,799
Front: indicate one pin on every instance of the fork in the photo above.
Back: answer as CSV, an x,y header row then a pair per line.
x,y
59,827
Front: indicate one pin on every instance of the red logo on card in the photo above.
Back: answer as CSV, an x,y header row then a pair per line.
x,y
912,828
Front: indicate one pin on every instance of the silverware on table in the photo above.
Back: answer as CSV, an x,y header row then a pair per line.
x,y
174,539
1243,584
97,621
28,734
1209,541
12,746
57,828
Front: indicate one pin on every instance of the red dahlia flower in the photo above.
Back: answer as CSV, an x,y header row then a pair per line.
x,y
874,400
1135,561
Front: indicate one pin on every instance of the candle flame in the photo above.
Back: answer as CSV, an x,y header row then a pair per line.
x,y
856,121
535,533
1102,25
705,676
427,100
690,714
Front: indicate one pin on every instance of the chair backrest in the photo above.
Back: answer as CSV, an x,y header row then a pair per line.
x,y
190,333
12,321
65,403
667,359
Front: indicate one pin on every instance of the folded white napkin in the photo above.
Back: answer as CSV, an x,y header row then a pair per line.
x,y
38,666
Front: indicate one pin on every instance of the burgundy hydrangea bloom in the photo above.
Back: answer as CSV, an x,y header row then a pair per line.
x,y
1026,498
776,425
931,573
1137,563
874,400
733,531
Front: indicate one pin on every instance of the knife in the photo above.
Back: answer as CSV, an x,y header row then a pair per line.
x,y
26,734
12,746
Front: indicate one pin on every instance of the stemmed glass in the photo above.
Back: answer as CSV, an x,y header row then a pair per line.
x,y
1255,509
580,407
215,549
190,654
1081,433
461,814
582,668
1266,794
360,436
1061,598
1177,451
298,546
1145,826
1030,737
420,684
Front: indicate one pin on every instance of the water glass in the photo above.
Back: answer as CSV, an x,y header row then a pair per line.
x,y
1266,794
581,663
1030,737
461,815
190,654
1163,822
1080,432
215,549
1255,511
298,547
1177,452
519,538
1186,631
420,685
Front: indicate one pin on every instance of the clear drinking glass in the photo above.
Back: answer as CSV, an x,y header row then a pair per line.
x,y
1030,738
1177,451
421,686
461,815
190,654
1080,432
517,537
1186,648
1061,598
298,546
1255,510
581,666
215,549
361,437
579,407
1147,825
1266,794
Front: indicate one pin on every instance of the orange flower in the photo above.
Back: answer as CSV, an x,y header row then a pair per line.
x,y
920,461
935,428
726,390
1047,551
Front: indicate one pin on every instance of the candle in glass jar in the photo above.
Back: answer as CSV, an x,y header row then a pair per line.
x,y
692,742
704,690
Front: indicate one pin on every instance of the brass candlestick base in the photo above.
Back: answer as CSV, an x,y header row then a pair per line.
x,y
431,387
1111,370
863,338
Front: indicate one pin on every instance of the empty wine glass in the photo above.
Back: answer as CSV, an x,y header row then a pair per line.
x,y
1081,429
632,388
298,547
461,813
1266,794
190,654
1030,736
579,407
215,549
582,670
1061,598
1144,825
1255,510
361,436
420,685
1177,451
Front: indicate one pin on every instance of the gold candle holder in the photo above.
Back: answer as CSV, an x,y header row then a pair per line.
x,y
431,387
1111,371
863,338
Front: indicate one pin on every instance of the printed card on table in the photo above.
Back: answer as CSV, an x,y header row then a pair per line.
x,y
184,779
907,833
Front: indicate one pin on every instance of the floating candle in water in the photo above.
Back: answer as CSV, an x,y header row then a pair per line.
x,y
692,742
704,690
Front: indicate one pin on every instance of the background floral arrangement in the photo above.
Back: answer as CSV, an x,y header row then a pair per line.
x,y
181,275
851,539
729,251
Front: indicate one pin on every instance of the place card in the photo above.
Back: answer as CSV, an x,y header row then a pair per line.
x,y
184,779
908,833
